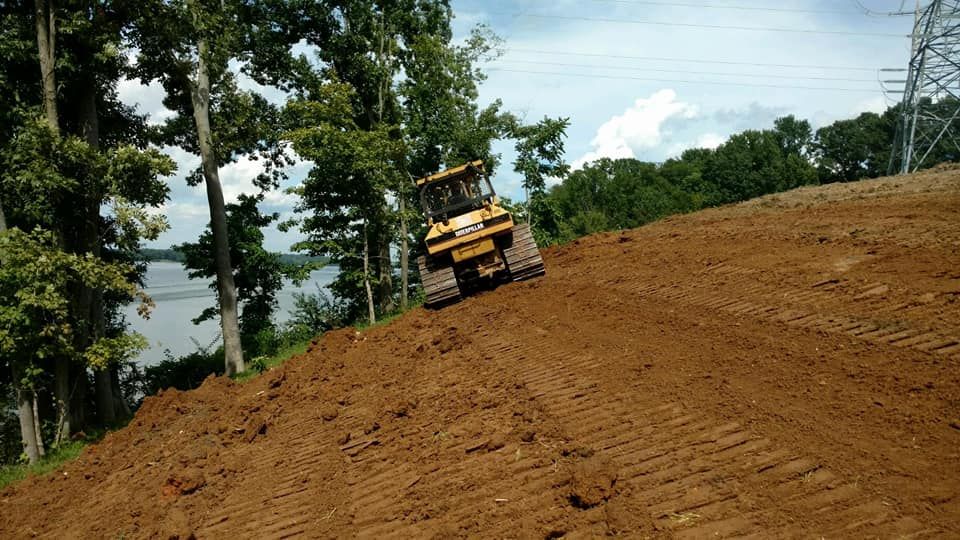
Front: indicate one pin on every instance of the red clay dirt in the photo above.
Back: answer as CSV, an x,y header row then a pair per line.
x,y
786,367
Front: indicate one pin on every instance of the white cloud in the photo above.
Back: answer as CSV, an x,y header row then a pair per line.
x,y
638,127
875,105
147,98
707,140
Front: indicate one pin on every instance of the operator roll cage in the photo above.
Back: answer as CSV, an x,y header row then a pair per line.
x,y
454,203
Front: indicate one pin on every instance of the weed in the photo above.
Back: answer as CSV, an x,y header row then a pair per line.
x,y
684,517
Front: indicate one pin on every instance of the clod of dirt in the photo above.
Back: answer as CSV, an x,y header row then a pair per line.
x,y
329,412
184,482
528,435
277,380
402,409
496,442
577,452
592,482
256,426
176,526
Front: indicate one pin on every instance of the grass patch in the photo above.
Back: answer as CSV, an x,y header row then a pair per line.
x,y
265,363
10,474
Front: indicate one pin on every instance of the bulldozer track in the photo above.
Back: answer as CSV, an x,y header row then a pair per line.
x,y
523,257
439,284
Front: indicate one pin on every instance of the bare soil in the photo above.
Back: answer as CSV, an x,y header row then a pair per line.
x,y
786,367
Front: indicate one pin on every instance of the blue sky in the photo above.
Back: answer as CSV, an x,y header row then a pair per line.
x,y
645,79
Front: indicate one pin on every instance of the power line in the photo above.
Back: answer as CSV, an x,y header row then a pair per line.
x,y
657,70
730,7
710,26
683,81
872,13
690,60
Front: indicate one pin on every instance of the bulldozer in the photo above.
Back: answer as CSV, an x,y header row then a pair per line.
x,y
472,242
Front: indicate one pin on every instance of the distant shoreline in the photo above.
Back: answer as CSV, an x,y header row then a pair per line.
x,y
172,255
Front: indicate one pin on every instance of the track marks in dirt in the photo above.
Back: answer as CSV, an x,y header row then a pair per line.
x,y
749,292
695,475
295,473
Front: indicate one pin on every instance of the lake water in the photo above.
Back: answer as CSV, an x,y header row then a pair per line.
x,y
180,299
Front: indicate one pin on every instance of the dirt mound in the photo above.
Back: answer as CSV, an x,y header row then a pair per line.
x,y
783,367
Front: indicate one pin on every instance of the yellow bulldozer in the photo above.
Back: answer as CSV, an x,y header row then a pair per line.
x,y
472,241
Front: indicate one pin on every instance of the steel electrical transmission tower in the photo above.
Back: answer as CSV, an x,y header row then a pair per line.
x,y
931,100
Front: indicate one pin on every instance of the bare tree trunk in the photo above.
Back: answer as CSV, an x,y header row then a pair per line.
x,y
46,44
104,397
61,392
3,221
121,408
372,314
404,251
28,427
385,270
36,426
227,290
78,399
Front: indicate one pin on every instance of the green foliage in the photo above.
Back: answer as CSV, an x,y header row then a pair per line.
x,y
54,459
36,278
854,149
258,273
314,314
540,152
183,373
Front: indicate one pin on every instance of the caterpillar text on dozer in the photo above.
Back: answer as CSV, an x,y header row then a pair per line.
x,y
472,241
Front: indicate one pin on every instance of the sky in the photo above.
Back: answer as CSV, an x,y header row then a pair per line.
x,y
642,79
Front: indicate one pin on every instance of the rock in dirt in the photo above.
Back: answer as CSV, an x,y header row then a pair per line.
x,y
592,482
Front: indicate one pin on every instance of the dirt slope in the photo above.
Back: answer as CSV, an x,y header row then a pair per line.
x,y
787,367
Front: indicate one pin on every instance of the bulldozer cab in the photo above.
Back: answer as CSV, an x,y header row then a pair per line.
x,y
455,192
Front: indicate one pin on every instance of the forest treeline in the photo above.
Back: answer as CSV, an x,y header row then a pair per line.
x,y
175,255
626,193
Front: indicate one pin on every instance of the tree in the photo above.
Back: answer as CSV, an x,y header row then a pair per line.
x,y
415,123
258,273
345,189
849,150
753,163
55,174
539,157
35,323
188,46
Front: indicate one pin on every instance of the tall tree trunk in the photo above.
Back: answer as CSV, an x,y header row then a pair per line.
x,y
371,311
61,393
26,400
404,251
104,397
227,290
46,45
28,426
91,307
36,425
121,409
385,270
79,389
